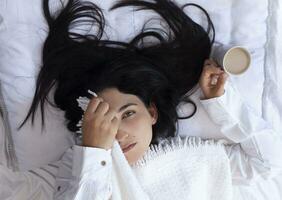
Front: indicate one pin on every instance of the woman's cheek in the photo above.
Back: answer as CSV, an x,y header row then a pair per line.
x,y
139,126
133,121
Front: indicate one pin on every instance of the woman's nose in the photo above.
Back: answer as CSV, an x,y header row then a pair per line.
x,y
121,136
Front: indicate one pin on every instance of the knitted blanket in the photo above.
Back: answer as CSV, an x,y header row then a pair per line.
x,y
178,168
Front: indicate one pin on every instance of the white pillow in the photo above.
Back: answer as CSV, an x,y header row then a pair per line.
x,y
22,34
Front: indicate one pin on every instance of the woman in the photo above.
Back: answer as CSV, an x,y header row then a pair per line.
x,y
139,85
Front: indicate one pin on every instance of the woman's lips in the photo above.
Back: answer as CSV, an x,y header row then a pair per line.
x,y
129,147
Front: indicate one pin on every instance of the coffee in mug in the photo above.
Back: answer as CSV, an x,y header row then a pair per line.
x,y
235,60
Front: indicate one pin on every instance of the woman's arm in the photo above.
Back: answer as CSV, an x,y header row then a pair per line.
x,y
255,148
88,178
255,152
84,173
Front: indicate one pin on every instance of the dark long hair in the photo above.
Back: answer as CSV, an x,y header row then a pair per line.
x,y
164,72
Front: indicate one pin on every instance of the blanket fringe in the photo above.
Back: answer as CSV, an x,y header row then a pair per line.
x,y
177,143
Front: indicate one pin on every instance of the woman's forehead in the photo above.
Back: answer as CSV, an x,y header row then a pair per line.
x,y
116,99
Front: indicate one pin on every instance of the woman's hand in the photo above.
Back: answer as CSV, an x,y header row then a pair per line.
x,y
100,125
212,80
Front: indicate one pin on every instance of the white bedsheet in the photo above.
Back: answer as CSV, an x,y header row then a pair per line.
x,y
272,96
252,24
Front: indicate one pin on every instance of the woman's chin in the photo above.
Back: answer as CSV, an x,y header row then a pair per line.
x,y
135,154
131,159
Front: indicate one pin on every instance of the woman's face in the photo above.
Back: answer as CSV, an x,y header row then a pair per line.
x,y
135,128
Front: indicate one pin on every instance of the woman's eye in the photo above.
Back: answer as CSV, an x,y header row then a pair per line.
x,y
128,114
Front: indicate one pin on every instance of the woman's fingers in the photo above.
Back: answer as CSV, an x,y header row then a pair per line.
x,y
112,119
221,81
102,109
102,125
110,115
115,124
92,106
212,80
210,69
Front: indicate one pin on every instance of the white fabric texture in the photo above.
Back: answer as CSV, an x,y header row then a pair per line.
x,y
271,101
237,122
124,182
180,169
30,185
35,184
272,94
8,157
169,165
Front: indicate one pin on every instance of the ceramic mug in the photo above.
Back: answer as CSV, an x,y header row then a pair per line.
x,y
235,60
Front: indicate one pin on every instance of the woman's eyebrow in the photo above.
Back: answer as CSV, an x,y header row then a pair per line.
x,y
125,106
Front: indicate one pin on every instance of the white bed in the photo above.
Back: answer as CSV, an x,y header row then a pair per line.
x,y
254,24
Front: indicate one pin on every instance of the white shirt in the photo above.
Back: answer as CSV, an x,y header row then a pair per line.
x,y
253,151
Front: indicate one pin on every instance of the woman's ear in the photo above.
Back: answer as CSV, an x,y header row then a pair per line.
x,y
153,112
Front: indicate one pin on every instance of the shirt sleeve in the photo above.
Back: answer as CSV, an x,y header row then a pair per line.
x,y
255,148
84,173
